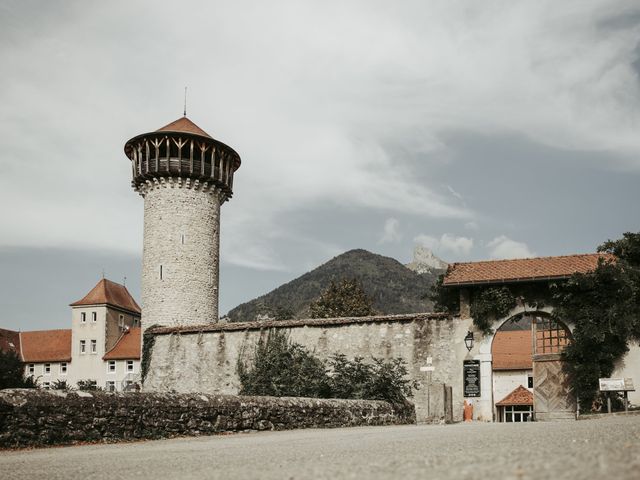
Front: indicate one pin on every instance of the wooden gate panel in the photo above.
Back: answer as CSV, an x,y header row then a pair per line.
x,y
553,397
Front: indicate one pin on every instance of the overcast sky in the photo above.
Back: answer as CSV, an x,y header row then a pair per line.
x,y
480,129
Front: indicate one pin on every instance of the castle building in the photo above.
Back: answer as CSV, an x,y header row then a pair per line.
x,y
184,176
101,347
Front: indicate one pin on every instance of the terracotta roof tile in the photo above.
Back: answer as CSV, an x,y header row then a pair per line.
x,y
184,125
511,350
520,396
9,341
522,269
109,293
127,346
46,346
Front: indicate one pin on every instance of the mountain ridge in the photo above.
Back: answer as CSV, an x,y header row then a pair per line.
x,y
392,287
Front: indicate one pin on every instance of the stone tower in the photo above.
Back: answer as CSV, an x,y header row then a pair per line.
x,y
184,176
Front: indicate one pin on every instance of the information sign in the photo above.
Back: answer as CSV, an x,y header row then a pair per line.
x,y
471,378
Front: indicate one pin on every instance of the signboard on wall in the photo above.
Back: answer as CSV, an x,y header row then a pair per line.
x,y
471,378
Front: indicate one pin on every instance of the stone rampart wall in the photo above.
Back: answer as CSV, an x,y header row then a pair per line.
x,y
40,417
204,358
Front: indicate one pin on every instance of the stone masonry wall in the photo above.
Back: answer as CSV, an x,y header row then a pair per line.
x,y
40,417
181,235
204,358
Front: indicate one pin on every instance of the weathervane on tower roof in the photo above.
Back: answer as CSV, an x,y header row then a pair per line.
x,y
185,102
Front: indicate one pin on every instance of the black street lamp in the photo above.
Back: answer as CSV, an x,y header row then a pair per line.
x,y
468,340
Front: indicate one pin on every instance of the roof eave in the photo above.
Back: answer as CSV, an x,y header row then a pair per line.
x,y
505,280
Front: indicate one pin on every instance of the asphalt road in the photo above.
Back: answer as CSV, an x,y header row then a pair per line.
x,y
593,449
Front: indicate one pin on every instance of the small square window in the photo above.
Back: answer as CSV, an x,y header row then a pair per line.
x,y
111,366
94,317
83,346
46,385
110,386
32,369
129,365
63,368
83,317
94,346
47,369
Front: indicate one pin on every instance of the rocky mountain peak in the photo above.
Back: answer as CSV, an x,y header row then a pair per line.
x,y
424,261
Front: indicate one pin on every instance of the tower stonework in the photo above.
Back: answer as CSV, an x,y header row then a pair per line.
x,y
184,176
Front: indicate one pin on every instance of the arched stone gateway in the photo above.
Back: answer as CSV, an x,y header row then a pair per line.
x,y
527,372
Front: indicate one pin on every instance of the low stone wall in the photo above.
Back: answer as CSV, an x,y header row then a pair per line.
x,y
41,417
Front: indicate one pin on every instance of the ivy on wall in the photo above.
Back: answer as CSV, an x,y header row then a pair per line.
x,y
148,340
604,306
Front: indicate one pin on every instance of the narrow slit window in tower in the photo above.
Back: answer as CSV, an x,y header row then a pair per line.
x,y
160,272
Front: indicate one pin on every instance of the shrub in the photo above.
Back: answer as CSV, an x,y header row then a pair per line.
x,y
88,385
282,368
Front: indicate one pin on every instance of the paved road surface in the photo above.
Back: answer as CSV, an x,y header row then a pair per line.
x,y
604,448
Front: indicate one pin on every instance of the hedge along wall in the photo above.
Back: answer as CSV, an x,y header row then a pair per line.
x,y
42,417
204,358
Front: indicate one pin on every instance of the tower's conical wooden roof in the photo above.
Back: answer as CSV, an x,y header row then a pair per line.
x,y
184,125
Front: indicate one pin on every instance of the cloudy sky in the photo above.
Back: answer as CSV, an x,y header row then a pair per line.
x,y
490,129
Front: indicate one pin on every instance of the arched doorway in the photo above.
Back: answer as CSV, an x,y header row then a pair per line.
x,y
527,371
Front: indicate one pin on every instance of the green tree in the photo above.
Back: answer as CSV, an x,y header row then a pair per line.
x,y
12,372
604,305
343,299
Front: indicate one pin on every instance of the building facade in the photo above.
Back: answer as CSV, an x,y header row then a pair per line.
x,y
102,347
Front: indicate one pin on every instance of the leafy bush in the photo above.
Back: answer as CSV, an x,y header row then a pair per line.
x,y
282,368
60,385
378,380
12,372
344,299
88,385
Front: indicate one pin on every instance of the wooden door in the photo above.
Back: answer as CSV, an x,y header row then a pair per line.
x,y
553,397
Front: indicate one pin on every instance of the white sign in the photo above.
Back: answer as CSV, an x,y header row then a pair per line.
x,y
429,368
616,385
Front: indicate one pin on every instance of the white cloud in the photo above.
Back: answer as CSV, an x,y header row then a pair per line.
x,y
471,225
503,247
446,243
312,95
391,232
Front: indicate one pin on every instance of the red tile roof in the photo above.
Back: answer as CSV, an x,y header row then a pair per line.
x,y
511,350
109,293
46,346
184,125
522,269
9,341
520,396
127,346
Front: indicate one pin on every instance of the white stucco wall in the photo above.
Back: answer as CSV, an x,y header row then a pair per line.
x,y
181,237
629,367
55,372
506,381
